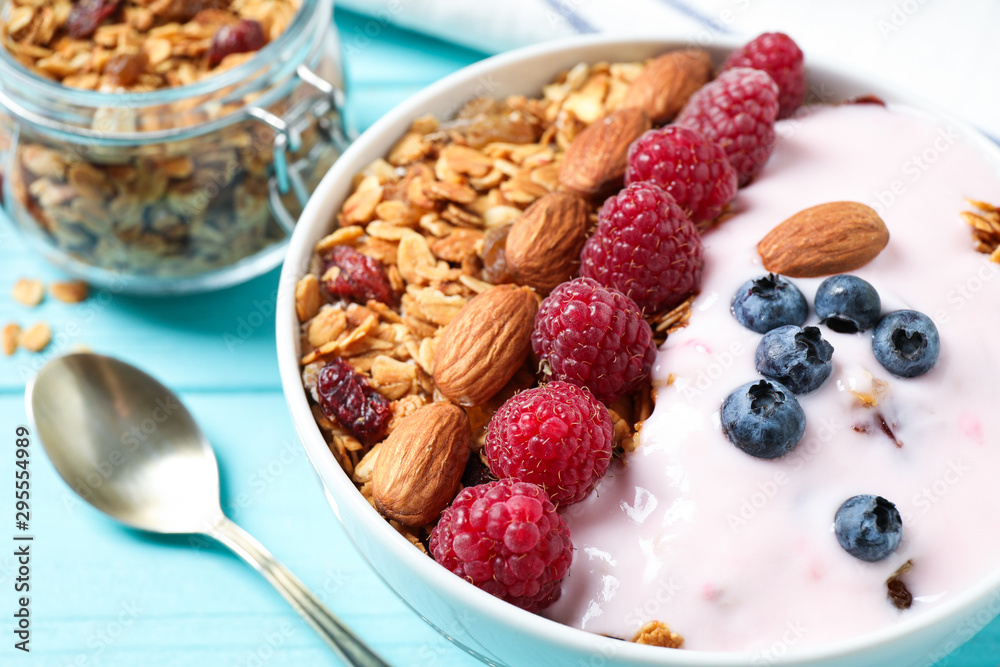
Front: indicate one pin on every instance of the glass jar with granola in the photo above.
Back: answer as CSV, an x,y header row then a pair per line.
x,y
166,146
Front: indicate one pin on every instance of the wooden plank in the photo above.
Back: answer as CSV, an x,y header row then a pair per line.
x,y
103,594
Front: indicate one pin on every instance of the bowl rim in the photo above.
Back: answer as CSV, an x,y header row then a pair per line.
x,y
348,499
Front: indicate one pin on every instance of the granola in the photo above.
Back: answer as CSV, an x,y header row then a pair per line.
x,y
435,213
985,228
656,633
141,45
162,214
172,209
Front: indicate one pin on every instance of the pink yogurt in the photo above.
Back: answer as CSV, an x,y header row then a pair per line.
x,y
737,553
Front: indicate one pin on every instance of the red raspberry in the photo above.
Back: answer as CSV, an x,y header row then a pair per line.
x,y
357,277
594,337
777,54
507,539
694,170
737,111
645,247
558,436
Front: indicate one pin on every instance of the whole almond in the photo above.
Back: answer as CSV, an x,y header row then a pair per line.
x,y
824,240
420,464
482,348
596,159
667,82
543,246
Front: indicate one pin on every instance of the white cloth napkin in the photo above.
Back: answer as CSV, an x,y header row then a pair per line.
x,y
944,50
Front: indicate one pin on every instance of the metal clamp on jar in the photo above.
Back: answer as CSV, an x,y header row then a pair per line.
x,y
178,189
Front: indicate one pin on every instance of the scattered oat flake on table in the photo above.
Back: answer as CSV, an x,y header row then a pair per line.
x,y
36,338
9,337
28,291
73,291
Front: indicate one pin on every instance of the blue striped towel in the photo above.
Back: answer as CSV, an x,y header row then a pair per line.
x,y
940,50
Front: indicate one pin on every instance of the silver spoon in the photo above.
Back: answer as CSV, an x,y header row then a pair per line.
x,y
126,445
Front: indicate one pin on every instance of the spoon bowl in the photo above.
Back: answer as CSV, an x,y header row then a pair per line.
x,y
126,444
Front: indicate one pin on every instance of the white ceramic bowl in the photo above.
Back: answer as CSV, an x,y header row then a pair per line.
x,y
494,631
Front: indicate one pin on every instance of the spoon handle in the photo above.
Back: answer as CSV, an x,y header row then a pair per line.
x,y
344,642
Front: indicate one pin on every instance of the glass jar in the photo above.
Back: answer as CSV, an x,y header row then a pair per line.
x,y
179,189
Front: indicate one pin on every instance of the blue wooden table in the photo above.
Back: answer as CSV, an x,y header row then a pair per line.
x,y
103,595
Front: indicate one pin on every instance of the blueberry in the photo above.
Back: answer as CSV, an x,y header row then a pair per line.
x,y
868,527
906,343
797,358
768,302
763,419
847,304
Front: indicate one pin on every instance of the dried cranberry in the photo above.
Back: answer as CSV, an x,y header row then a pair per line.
x,y
867,99
242,37
125,68
86,15
476,472
360,277
346,396
899,594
